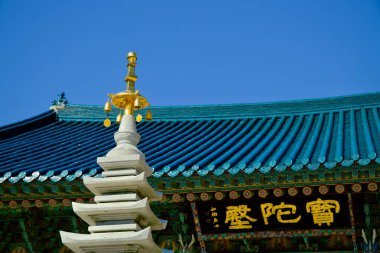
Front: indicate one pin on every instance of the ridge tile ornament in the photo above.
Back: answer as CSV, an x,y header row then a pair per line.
x,y
121,219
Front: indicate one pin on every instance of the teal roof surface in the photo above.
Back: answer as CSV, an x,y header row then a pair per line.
x,y
200,140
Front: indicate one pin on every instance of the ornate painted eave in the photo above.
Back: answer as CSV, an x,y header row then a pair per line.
x,y
192,141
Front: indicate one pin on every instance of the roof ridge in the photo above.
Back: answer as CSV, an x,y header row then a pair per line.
x,y
259,103
226,111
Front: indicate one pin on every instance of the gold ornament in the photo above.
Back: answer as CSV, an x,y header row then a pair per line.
x,y
108,107
148,115
107,122
137,104
139,118
119,118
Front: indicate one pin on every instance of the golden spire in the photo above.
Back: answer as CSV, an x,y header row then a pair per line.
x,y
130,99
131,78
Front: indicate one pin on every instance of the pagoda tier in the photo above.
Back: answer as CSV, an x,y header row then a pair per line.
x,y
121,220
114,163
122,184
120,212
115,242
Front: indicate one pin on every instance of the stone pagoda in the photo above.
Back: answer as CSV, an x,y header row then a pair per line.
x,y
121,221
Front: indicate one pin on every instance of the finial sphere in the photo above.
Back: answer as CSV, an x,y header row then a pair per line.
x,y
132,57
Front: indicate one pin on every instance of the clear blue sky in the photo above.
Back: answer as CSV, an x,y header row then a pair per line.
x,y
190,52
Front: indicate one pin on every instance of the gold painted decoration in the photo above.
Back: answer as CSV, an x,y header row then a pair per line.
x,y
79,200
13,204
1,204
262,193
66,202
323,189
25,203
219,195
139,118
292,191
278,192
234,195
247,194
339,188
38,203
205,196
107,122
52,202
356,187
190,196
372,187
176,198
307,190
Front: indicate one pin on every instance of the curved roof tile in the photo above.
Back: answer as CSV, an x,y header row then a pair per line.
x,y
200,140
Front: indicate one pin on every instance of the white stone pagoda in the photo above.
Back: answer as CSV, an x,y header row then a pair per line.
x,y
121,221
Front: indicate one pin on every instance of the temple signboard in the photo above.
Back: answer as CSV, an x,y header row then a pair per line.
x,y
283,213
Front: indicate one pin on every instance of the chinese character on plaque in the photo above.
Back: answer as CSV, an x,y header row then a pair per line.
x,y
323,211
238,218
268,209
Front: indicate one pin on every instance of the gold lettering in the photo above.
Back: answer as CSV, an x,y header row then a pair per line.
x,y
280,213
236,214
321,211
268,209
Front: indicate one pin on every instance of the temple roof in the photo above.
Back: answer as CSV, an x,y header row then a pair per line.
x,y
200,140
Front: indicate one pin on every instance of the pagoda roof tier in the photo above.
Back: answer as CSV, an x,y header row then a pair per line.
x,y
93,214
135,161
122,184
117,242
200,140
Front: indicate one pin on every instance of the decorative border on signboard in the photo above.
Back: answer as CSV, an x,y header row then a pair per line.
x,y
272,234
194,210
353,236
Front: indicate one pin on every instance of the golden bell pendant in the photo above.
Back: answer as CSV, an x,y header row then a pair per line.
x,y
119,118
148,115
107,106
137,104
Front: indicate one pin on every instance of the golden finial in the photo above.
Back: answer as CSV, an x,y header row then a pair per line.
x,y
131,77
132,57
130,99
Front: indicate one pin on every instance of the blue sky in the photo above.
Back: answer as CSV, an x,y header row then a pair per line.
x,y
190,52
